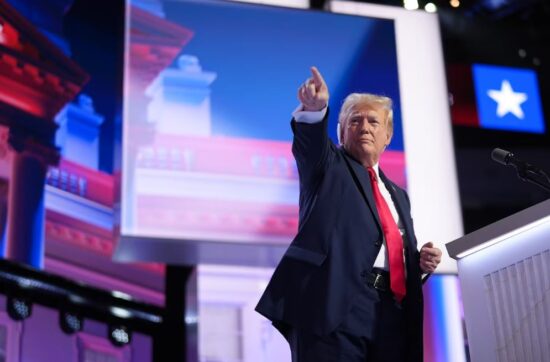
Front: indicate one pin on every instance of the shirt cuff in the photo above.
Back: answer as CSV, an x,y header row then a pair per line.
x,y
307,116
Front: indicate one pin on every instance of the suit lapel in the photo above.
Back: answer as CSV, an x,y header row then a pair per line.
x,y
363,183
399,201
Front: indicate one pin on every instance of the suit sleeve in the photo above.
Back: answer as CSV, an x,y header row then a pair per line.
x,y
311,148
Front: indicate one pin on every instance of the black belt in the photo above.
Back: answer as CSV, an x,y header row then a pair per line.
x,y
379,279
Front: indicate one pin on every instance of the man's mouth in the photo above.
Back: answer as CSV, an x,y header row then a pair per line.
x,y
365,140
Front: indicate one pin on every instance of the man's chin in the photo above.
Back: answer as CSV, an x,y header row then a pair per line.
x,y
367,150
362,154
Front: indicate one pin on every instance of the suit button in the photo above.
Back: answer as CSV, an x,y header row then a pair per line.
x,y
378,243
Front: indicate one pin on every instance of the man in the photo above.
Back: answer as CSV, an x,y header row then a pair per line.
x,y
348,287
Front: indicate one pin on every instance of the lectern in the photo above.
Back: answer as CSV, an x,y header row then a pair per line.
x,y
504,272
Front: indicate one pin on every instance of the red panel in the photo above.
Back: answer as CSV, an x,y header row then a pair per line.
x,y
463,103
220,155
99,185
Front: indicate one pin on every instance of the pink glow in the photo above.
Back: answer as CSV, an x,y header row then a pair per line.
x,y
230,164
222,155
216,216
393,164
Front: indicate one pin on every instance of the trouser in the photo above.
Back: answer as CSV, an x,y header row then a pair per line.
x,y
373,331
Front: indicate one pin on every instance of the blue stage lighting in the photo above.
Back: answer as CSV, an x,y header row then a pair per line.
x,y
119,335
18,308
70,323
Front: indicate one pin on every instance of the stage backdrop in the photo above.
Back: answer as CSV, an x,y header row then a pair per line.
x,y
208,173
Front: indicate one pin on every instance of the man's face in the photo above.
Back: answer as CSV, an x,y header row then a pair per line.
x,y
366,133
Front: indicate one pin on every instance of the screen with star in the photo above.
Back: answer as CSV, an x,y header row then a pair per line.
x,y
496,97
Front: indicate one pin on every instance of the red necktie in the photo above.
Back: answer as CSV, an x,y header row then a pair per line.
x,y
394,241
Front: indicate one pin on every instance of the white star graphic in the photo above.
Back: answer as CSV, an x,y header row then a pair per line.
x,y
508,101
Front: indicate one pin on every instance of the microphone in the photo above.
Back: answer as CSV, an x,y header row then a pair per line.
x,y
507,158
526,171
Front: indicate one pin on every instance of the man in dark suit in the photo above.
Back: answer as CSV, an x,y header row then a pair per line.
x,y
348,287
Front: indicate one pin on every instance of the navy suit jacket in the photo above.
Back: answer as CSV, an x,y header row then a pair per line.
x,y
338,240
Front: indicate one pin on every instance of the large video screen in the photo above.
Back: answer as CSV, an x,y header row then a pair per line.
x,y
209,91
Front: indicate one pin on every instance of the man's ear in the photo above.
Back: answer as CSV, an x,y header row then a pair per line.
x,y
338,133
389,136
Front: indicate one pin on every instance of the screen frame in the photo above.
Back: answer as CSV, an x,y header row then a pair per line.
x,y
430,164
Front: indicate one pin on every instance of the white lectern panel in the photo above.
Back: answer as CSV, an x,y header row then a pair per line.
x,y
506,295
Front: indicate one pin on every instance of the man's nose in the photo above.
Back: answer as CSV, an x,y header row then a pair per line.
x,y
364,126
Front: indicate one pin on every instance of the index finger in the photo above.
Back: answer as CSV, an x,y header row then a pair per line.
x,y
317,77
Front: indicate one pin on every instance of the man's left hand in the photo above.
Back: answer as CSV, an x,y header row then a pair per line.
x,y
430,257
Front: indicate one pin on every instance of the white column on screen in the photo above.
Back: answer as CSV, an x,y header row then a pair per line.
x,y
180,99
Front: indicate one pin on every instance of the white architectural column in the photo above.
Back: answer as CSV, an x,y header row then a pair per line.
x,y
181,99
78,133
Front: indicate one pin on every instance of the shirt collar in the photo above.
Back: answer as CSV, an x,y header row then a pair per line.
x,y
376,171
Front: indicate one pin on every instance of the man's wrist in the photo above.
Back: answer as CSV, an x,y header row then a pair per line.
x,y
303,116
307,109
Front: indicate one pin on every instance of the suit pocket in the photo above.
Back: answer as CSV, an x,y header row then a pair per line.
x,y
306,255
